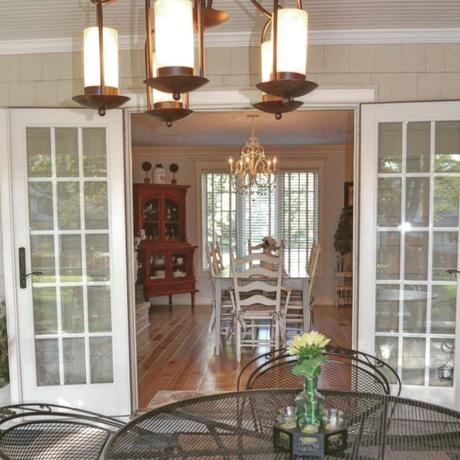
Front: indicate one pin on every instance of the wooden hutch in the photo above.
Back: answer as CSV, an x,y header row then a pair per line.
x,y
165,258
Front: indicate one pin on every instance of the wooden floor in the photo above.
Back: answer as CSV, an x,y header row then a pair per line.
x,y
182,352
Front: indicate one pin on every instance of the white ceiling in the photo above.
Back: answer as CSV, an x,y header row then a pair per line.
x,y
208,129
53,19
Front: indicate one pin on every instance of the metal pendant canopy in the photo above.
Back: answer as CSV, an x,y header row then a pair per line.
x,y
277,105
102,97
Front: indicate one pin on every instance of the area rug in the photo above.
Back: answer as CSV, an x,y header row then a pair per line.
x,y
164,397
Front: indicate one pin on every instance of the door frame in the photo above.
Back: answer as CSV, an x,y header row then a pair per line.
x,y
9,249
231,100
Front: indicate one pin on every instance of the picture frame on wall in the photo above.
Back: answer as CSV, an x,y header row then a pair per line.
x,y
348,195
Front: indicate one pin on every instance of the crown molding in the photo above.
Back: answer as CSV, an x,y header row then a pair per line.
x,y
242,39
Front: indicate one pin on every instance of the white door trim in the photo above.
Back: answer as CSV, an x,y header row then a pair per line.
x,y
227,100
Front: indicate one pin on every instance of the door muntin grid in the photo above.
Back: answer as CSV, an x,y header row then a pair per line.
x,y
417,242
69,243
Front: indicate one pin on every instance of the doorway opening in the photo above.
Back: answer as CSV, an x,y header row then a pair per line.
x,y
312,202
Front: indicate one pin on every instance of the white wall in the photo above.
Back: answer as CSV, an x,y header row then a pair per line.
x,y
335,165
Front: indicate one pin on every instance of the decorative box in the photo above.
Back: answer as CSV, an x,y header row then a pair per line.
x,y
318,444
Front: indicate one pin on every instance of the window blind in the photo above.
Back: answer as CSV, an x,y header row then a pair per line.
x,y
289,213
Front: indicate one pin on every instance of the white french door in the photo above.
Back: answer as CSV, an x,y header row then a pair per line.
x,y
67,196
409,239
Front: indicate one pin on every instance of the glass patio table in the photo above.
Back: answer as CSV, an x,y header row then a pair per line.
x,y
239,426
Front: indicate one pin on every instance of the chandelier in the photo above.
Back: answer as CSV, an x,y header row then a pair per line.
x,y
253,171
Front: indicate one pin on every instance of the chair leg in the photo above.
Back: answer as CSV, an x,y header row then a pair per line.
x,y
277,335
238,341
253,330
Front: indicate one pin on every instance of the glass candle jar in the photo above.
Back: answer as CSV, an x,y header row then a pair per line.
x,y
333,419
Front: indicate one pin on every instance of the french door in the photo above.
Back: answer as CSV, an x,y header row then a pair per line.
x,y
409,227
67,198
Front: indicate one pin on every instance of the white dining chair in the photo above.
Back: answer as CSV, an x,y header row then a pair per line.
x,y
294,314
256,298
215,267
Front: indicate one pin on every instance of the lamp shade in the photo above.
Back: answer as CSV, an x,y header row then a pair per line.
x,y
174,33
92,74
266,49
292,41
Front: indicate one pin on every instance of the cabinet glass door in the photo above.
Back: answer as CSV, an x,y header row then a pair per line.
x,y
413,153
172,220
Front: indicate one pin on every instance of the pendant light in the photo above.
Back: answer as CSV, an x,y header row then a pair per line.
x,y
289,38
174,47
160,105
100,50
270,103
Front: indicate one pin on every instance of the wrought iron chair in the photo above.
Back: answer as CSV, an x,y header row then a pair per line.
x,y
48,431
345,370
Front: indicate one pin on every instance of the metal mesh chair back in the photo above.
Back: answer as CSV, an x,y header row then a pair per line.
x,y
49,431
345,370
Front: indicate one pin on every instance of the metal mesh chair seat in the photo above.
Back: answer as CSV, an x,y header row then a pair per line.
x,y
45,431
345,370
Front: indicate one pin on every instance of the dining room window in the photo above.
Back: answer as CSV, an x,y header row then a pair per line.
x,y
288,212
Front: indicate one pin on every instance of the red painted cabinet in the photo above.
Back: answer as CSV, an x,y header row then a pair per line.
x,y
165,258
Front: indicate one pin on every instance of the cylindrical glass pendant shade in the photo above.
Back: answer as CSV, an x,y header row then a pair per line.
x,y
92,59
266,49
174,34
292,41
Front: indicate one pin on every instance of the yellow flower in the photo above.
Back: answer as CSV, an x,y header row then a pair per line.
x,y
307,340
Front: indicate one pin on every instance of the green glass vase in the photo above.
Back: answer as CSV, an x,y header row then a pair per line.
x,y
309,407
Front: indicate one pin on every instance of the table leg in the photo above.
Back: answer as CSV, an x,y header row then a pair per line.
x,y
306,306
170,302
192,294
218,287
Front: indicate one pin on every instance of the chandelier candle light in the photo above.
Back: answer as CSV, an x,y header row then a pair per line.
x,y
101,66
253,171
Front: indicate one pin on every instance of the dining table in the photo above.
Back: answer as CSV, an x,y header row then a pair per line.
x,y
240,426
223,281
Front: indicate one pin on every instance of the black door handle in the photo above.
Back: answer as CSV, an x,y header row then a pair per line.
x,y
451,271
22,269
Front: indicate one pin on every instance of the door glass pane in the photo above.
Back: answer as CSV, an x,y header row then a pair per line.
x,y
415,307
73,319
47,361
386,349
67,152
74,262
417,201
41,205
96,212
74,361
101,359
97,258
99,309
94,152
70,258
447,154
387,308
45,310
68,205
443,305
418,147
39,152
388,255
413,372
43,260
390,147
445,246
416,256
446,201
442,362
389,202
